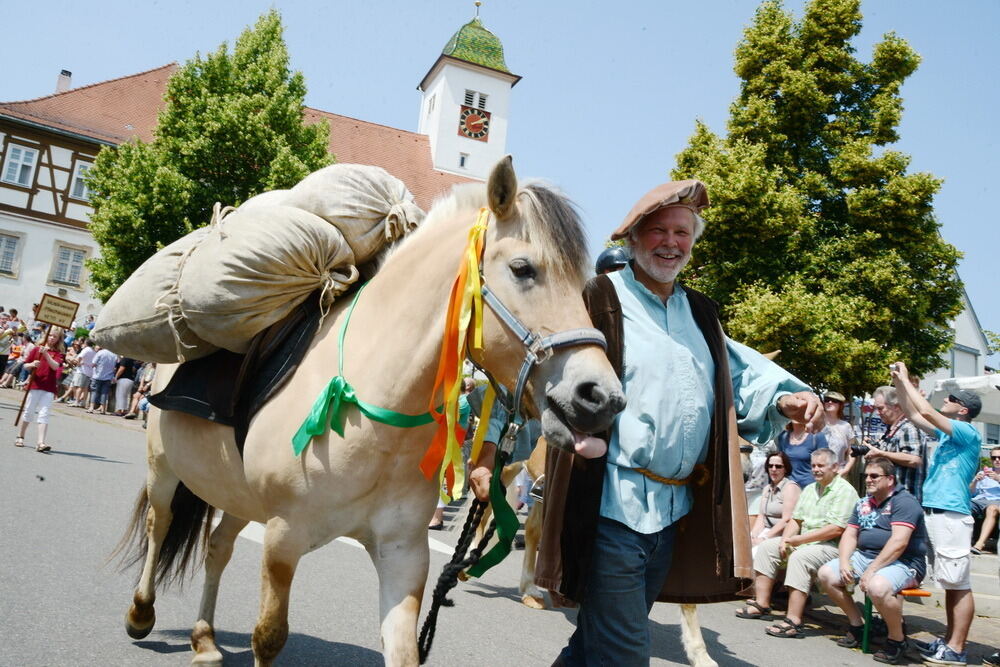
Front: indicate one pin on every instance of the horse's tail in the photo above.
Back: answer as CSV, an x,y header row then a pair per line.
x,y
190,529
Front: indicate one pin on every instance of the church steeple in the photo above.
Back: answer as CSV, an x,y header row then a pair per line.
x,y
465,103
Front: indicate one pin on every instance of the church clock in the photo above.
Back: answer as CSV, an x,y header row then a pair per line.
x,y
474,123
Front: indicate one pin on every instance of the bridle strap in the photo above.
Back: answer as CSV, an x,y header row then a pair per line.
x,y
539,348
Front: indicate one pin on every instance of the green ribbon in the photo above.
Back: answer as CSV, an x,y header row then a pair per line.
x,y
507,521
328,409
339,392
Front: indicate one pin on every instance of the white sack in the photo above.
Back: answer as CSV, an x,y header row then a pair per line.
x,y
136,320
255,267
269,198
367,204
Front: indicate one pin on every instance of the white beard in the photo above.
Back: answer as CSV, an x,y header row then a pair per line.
x,y
660,274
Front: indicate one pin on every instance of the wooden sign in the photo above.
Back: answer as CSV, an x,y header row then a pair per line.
x,y
56,311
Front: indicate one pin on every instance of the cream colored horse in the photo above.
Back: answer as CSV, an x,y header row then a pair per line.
x,y
367,485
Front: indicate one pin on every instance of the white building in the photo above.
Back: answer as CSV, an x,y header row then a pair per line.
x,y
966,358
465,104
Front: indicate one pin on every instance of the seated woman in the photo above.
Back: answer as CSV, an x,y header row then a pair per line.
x,y
777,502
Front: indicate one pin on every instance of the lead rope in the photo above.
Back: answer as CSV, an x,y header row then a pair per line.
x,y
449,574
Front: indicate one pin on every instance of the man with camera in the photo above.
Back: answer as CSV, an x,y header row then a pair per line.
x,y
902,444
947,506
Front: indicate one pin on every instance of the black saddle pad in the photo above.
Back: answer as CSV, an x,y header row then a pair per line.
x,y
230,388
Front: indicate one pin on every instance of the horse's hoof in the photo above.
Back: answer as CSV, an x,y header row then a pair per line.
x,y
208,659
140,632
533,601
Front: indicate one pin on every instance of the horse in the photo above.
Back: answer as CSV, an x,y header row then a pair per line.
x,y
367,484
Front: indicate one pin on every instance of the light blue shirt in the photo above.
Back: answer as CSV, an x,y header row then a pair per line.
x,y
953,468
668,381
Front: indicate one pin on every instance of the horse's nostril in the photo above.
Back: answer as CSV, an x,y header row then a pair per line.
x,y
591,396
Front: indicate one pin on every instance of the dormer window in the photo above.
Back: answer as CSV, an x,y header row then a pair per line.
x,y
476,99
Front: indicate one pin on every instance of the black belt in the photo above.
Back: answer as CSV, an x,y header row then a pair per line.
x,y
934,510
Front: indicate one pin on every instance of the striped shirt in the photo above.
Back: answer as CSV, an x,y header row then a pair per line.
x,y
905,438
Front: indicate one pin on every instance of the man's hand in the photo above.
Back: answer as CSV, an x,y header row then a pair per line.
x,y
803,407
865,580
846,573
479,482
899,372
787,544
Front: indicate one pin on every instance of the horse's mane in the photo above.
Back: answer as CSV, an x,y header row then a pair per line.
x,y
551,223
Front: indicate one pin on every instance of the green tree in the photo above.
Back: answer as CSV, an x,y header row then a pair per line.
x,y
818,241
232,127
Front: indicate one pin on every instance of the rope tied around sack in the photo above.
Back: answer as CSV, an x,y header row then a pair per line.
x,y
402,218
332,286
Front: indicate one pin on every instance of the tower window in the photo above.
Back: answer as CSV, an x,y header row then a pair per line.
x,y
463,160
475,99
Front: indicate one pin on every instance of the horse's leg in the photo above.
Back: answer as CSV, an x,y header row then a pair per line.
x,y
161,484
220,549
530,595
401,562
283,548
694,643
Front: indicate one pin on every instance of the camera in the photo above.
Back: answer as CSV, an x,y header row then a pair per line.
x,y
859,450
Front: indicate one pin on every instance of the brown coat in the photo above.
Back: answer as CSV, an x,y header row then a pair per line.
x,y
712,554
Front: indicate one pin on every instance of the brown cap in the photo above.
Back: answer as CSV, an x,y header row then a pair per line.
x,y
835,395
691,194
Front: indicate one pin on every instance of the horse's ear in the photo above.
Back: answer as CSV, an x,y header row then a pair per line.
x,y
501,189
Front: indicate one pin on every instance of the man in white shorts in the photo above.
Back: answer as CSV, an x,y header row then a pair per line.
x,y
947,507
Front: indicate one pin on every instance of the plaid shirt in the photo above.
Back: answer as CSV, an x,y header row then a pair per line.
x,y
908,439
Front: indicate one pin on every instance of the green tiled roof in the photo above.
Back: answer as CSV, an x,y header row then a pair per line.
x,y
475,44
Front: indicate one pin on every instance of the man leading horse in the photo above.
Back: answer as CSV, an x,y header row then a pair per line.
x,y
661,517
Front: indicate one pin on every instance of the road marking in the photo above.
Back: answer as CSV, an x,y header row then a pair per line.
x,y
255,533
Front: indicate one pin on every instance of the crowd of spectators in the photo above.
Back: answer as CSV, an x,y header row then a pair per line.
x,y
921,490
57,366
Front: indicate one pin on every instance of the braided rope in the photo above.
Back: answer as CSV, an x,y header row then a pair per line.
x,y
699,475
449,575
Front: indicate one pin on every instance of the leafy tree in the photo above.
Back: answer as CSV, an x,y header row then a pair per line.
x,y
232,127
818,241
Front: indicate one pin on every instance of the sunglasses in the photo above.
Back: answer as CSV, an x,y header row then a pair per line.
x,y
873,475
782,465
995,458
831,400
955,400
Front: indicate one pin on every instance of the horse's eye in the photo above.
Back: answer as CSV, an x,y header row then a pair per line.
x,y
522,269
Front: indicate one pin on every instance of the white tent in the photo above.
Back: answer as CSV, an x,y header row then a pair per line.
x,y
987,386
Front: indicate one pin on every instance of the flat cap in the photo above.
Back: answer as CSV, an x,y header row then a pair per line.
x,y
691,194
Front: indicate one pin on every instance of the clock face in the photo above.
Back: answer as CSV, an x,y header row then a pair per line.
x,y
474,123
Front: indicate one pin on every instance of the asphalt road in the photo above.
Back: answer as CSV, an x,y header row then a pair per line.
x,y
63,603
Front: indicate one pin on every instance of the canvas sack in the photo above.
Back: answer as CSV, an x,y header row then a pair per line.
x,y
255,267
367,204
143,320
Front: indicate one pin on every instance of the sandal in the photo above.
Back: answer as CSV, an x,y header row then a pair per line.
x,y
852,638
43,448
892,652
763,613
786,630
19,442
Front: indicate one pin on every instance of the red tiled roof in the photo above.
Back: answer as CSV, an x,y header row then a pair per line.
x,y
111,111
117,110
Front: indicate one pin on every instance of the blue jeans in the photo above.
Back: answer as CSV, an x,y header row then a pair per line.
x,y
99,390
627,571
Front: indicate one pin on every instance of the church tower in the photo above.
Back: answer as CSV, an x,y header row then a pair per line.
x,y
465,102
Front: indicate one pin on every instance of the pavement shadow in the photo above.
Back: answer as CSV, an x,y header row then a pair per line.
x,y
91,457
301,649
488,591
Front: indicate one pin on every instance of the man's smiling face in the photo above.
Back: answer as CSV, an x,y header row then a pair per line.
x,y
662,243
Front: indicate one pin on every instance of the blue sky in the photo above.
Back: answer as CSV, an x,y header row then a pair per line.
x,y
610,92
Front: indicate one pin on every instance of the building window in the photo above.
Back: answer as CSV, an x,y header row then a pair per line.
x,y
475,99
463,160
67,269
993,434
80,189
20,166
8,254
